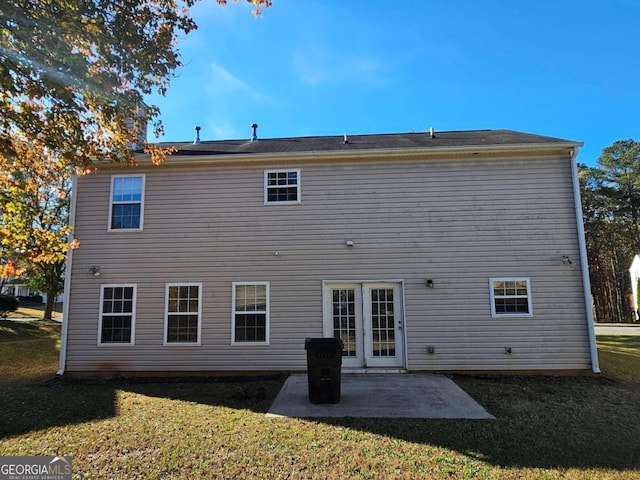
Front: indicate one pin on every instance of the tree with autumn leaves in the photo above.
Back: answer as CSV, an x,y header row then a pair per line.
x,y
74,73
73,77
34,219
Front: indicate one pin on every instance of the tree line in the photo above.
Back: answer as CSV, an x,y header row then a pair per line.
x,y
611,210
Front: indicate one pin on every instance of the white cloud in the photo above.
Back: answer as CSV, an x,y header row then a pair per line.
x,y
315,66
224,131
223,82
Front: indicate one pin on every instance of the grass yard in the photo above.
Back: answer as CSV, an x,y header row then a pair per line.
x,y
546,427
34,311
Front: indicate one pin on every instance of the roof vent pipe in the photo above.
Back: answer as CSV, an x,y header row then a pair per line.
x,y
254,135
432,132
345,140
197,140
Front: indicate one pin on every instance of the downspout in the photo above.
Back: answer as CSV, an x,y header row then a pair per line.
x,y
586,283
67,278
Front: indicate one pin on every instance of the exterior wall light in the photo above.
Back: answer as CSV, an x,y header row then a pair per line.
x,y
349,243
94,270
430,283
566,260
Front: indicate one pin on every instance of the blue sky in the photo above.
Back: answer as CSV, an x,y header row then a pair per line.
x,y
563,68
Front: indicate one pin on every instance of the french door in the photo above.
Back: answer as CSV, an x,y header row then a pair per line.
x,y
367,317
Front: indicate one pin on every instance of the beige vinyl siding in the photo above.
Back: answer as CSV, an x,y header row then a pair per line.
x,y
456,221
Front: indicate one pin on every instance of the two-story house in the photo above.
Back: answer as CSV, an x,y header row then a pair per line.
x,y
453,251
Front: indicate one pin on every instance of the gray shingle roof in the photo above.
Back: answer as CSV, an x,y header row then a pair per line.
x,y
469,138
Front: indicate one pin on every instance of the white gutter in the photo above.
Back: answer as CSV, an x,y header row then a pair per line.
x,y
586,283
369,154
67,278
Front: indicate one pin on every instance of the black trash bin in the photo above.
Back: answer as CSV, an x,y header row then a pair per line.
x,y
324,364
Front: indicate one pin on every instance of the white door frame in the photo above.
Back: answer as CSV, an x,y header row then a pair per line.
x,y
364,357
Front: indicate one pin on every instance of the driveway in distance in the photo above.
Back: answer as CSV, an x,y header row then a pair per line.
x,y
612,329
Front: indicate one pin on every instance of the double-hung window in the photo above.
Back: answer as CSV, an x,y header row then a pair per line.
x,y
250,322
281,186
183,313
117,315
126,209
510,297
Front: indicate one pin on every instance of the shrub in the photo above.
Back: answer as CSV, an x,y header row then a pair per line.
x,y
7,304
30,300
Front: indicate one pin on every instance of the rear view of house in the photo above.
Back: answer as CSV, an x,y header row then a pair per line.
x,y
454,251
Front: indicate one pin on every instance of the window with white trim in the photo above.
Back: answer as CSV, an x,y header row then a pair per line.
x,y
126,205
510,297
183,314
117,315
250,322
282,186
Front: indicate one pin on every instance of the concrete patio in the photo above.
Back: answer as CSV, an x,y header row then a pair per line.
x,y
381,396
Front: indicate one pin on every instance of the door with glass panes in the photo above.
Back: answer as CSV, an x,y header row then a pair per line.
x,y
367,317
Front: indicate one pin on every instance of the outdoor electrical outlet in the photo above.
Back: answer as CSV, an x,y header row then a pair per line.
x,y
431,349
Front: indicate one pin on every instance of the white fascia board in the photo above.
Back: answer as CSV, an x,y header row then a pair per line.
x,y
176,160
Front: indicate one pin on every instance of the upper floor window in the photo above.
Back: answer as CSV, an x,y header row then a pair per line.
x,y
183,312
250,323
282,186
510,297
127,202
117,314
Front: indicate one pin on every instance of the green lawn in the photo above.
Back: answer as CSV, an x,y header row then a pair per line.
x,y
34,311
620,356
546,427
